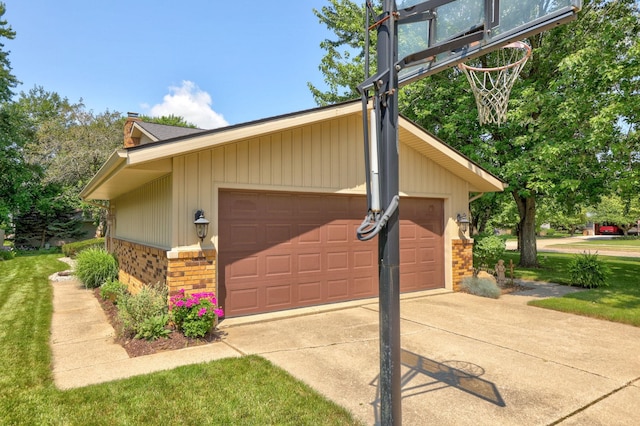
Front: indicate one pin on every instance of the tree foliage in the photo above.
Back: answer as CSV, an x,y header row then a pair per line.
x,y
169,120
343,64
7,80
615,210
563,139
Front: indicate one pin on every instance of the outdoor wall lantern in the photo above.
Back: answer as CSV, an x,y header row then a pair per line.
x,y
463,222
202,225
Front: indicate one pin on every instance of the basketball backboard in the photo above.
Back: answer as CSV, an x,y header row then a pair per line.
x,y
438,34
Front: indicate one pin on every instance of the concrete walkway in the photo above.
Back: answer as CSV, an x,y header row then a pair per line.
x,y
466,360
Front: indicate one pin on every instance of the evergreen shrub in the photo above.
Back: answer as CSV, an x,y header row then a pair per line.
x,y
72,249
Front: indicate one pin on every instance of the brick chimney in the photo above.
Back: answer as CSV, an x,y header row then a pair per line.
x,y
132,117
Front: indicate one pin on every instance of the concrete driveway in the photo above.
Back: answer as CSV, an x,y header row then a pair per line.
x,y
467,360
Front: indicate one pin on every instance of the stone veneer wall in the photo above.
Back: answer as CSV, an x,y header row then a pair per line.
x,y
191,270
462,254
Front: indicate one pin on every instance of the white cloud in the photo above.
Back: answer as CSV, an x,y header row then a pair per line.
x,y
191,103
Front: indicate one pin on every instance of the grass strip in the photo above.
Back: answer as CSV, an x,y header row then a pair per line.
x,y
240,391
618,302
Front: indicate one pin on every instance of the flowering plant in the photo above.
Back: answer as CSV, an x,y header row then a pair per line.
x,y
194,314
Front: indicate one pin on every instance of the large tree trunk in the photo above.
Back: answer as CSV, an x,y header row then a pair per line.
x,y
527,230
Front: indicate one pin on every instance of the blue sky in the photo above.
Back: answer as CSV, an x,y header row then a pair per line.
x,y
212,62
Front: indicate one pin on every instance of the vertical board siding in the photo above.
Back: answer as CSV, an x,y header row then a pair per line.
x,y
144,215
326,156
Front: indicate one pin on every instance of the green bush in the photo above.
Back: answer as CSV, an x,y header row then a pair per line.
x,y
153,328
589,272
113,290
7,254
95,266
487,250
481,287
145,314
72,249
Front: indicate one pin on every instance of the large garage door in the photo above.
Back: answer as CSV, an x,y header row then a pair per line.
x,y
286,250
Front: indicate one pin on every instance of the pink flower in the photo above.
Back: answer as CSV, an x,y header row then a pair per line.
x,y
202,311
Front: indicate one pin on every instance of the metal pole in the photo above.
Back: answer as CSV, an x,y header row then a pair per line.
x,y
389,236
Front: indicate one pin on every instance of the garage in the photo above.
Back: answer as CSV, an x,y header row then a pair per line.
x,y
280,250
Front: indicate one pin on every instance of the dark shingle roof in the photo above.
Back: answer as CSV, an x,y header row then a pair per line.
x,y
163,132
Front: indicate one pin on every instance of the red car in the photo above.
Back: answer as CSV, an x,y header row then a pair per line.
x,y
608,229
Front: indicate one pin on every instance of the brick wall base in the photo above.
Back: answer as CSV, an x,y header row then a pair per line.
x,y
462,254
194,271
139,264
191,270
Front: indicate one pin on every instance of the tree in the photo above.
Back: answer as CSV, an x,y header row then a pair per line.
x,y
16,174
13,171
62,146
344,61
169,120
615,210
7,80
578,82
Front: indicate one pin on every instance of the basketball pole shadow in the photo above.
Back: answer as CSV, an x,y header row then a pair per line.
x,y
431,376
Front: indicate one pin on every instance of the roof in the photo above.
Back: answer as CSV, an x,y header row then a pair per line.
x,y
159,132
129,168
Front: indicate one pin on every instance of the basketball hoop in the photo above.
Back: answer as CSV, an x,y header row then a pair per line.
x,y
492,86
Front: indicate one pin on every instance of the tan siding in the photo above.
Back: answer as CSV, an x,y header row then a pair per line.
x,y
218,164
296,157
144,215
325,157
276,159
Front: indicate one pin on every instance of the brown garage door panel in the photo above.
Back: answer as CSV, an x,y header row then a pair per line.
x,y
286,250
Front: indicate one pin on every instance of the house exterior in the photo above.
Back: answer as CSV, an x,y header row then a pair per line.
x,y
284,197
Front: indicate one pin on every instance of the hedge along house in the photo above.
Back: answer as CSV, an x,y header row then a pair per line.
x,y
284,197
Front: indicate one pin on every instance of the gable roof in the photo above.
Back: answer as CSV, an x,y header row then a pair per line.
x,y
129,168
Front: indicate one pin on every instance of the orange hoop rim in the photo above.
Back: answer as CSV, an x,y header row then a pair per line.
x,y
513,45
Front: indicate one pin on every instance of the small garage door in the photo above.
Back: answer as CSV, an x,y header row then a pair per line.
x,y
286,250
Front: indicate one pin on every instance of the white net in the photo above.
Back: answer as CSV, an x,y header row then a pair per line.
x,y
492,86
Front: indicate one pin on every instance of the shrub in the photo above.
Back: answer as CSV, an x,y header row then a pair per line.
x,y
195,314
96,266
72,249
113,290
587,271
153,328
486,251
144,315
7,254
481,287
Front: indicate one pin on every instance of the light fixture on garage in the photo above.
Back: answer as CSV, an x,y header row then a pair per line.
x,y
202,225
463,222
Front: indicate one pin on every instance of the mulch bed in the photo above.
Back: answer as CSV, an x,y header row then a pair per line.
x,y
141,347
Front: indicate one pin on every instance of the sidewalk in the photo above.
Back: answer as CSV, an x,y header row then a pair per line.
x,y
466,360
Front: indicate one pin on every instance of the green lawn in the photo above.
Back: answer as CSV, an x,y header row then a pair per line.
x,y
621,245
619,302
242,391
